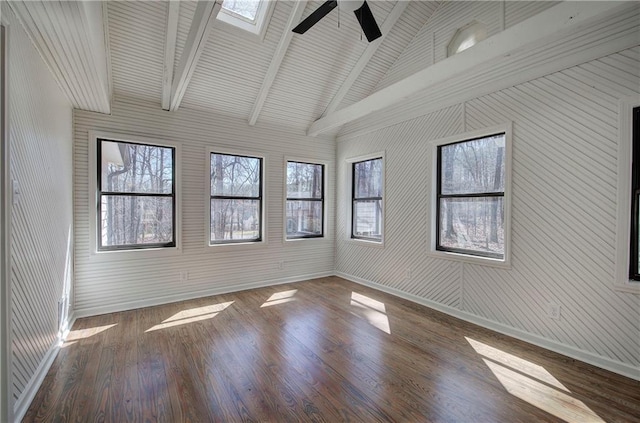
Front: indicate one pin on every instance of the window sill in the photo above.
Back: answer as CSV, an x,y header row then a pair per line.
x,y
365,242
237,245
315,238
466,258
123,255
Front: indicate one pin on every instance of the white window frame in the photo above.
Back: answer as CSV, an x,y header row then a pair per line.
x,y
256,28
95,254
349,199
207,205
325,179
505,262
623,224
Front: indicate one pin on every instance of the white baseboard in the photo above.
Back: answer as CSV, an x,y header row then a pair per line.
x,y
24,401
131,305
567,350
22,404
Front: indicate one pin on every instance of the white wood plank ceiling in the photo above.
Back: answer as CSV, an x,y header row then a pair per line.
x,y
177,54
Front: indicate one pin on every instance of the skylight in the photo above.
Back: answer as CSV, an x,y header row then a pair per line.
x,y
247,9
249,15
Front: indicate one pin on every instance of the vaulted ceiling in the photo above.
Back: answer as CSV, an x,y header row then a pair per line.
x,y
176,54
233,71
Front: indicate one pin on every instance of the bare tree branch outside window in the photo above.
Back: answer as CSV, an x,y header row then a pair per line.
x,y
305,200
471,196
236,198
367,200
136,195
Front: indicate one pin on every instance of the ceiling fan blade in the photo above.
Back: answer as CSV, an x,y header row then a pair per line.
x,y
317,14
367,22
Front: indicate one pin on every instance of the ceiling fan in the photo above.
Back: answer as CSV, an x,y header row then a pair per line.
x,y
359,7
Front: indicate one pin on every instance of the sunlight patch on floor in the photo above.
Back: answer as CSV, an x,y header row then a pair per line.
x,y
534,384
373,311
280,298
78,334
191,315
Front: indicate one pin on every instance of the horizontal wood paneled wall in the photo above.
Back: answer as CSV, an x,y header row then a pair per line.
x,y
123,282
564,210
40,137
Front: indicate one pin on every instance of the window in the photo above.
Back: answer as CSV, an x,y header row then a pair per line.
x,y
305,200
136,195
244,9
471,213
367,192
249,15
236,199
634,259
466,37
627,219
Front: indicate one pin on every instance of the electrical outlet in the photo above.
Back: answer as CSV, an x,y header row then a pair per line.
x,y
184,275
553,310
281,265
407,273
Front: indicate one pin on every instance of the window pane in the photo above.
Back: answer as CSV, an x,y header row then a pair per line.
x,y
304,218
234,220
236,176
368,179
245,8
136,168
475,224
473,167
304,180
367,219
131,220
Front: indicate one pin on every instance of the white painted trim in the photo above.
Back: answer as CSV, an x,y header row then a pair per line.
x,y
623,221
366,56
468,258
207,200
94,311
93,191
349,199
31,389
605,363
34,384
6,366
170,52
325,221
203,20
107,49
548,26
276,60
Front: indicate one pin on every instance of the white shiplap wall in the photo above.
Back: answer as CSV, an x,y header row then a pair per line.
x,y
103,285
40,136
565,139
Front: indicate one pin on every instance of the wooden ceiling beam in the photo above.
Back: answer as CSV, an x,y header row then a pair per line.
x,y
276,61
203,20
170,52
366,56
552,25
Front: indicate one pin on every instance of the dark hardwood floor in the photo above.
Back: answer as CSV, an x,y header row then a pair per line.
x,y
322,350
